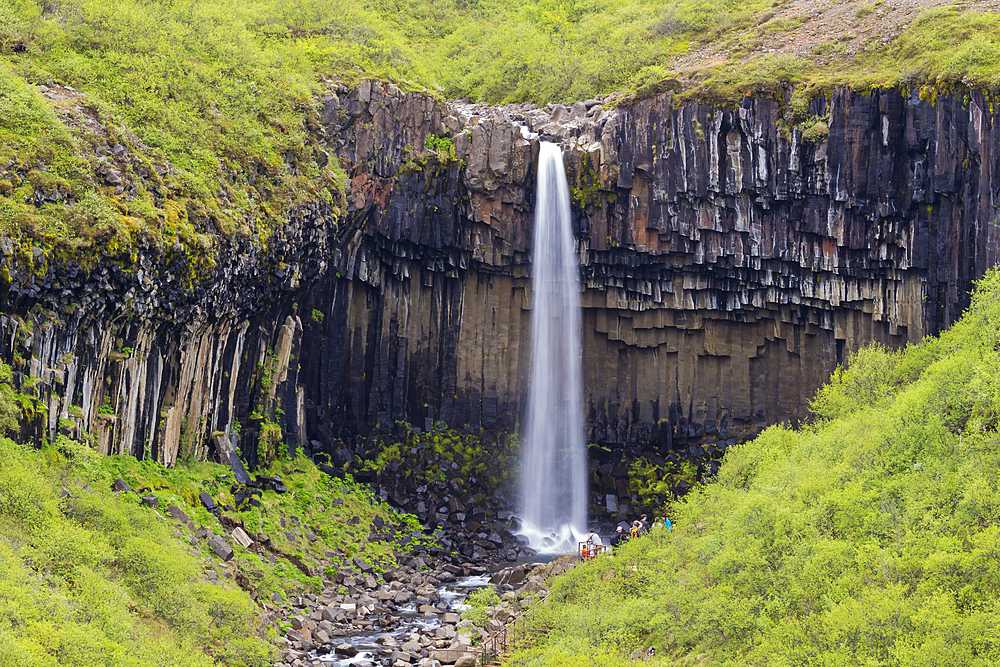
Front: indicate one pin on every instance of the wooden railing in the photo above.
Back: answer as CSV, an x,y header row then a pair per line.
x,y
588,551
493,649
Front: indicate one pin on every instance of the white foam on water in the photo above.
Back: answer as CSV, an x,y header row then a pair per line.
x,y
337,661
528,134
474,581
562,539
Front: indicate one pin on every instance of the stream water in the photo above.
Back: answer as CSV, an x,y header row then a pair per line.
x,y
453,593
553,481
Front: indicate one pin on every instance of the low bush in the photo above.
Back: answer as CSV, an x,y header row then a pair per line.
x,y
87,579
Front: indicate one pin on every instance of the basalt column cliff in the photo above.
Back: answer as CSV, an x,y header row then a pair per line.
x,y
728,265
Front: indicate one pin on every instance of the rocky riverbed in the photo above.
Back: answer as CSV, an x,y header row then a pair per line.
x,y
398,610
406,616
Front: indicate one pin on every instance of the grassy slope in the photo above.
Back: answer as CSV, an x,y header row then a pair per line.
x,y
944,48
566,50
89,577
206,111
869,538
211,101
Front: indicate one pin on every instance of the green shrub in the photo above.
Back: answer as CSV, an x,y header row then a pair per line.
x,y
868,378
90,578
816,133
479,602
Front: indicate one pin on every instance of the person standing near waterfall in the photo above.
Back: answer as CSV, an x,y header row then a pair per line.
x,y
594,544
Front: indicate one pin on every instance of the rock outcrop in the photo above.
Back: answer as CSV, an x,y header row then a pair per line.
x,y
728,266
153,368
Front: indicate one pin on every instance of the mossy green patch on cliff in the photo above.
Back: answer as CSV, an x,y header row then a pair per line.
x,y
475,459
584,186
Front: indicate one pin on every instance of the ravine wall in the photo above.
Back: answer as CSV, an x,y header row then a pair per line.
x,y
728,266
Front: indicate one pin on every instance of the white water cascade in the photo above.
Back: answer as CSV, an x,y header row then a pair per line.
x,y
553,481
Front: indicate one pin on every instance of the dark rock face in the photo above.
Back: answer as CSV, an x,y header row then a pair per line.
x,y
149,366
728,266
737,264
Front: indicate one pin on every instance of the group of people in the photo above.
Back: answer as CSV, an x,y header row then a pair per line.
x,y
639,527
594,544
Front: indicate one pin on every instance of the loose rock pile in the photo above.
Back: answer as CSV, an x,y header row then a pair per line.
x,y
476,529
374,603
360,601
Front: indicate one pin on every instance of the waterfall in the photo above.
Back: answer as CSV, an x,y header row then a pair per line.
x,y
553,479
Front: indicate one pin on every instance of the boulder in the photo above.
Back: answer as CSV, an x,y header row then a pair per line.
x,y
120,486
177,513
221,548
361,564
208,503
240,536
346,649
449,656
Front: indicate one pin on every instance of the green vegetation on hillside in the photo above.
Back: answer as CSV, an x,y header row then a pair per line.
x,y
561,50
88,579
92,577
166,125
945,48
868,538
173,126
